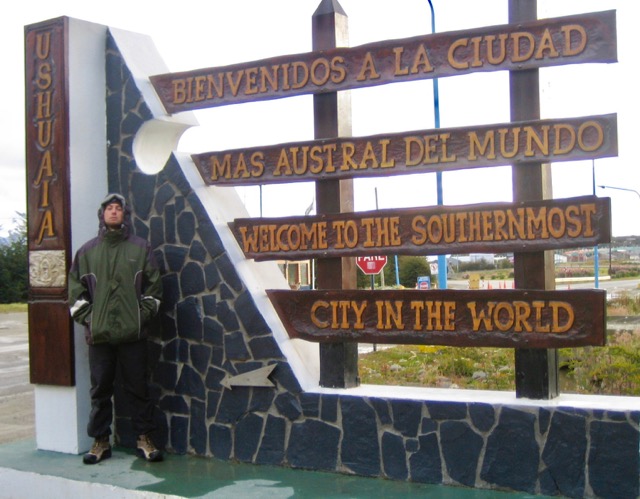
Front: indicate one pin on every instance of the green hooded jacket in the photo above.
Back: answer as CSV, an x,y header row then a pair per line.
x,y
115,287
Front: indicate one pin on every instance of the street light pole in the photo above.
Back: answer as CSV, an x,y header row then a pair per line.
x,y
620,189
617,189
442,259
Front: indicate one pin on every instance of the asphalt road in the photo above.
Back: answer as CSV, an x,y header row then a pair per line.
x,y
16,393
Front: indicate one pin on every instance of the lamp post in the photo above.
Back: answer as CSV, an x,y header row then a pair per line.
x,y
442,259
617,189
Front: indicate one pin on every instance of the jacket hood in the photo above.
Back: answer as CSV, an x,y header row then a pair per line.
x,y
126,222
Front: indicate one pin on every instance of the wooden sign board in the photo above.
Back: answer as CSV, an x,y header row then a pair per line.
x,y
419,151
483,228
506,318
51,350
549,42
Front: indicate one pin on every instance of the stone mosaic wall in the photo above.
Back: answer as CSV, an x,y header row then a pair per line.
x,y
209,327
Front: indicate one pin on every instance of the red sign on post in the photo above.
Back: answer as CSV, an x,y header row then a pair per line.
x,y
371,265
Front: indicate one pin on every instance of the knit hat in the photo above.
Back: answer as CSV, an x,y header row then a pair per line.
x,y
114,198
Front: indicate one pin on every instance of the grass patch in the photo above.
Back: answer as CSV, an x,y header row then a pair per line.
x,y
610,370
6,308
438,366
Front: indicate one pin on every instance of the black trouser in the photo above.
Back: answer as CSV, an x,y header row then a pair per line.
x,y
131,359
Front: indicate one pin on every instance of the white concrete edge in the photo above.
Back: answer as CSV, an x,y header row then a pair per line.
x,y
491,397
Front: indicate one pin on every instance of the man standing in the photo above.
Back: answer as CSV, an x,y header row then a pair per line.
x,y
114,291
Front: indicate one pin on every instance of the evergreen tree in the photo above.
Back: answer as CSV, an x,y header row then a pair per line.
x,y
14,267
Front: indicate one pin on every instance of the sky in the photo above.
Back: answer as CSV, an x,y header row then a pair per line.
x,y
217,33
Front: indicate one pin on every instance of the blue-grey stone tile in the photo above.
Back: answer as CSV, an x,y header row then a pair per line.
x,y
176,350
214,377
446,411
261,399
407,415
200,356
512,454
265,348
131,98
228,272
114,75
247,436
288,405
225,292
483,416
316,435
564,453
190,383
162,196
142,191
198,252
175,256
360,449
249,315
227,317
174,404
211,240
212,276
220,442
271,449
329,408
131,124
114,116
425,464
213,398
284,377
198,428
170,291
179,434
169,218
461,448
213,332
614,462
192,279
209,304
189,319
156,234
186,227
235,347
140,228
310,403
394,457
233,405
381,407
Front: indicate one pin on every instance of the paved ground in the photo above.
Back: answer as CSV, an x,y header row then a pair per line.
x,y
16,394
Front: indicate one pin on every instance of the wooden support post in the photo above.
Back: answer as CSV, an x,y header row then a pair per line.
x,y
332,118
536,369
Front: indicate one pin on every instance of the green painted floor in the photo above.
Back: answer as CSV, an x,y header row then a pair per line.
x,y
194,477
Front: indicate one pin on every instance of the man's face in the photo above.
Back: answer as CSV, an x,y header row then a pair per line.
x,y
113,215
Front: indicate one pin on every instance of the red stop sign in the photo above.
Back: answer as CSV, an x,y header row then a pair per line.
x,y
371,265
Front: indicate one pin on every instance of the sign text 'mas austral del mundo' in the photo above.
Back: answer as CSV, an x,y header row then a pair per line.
x,y
549,42
497,227
422,151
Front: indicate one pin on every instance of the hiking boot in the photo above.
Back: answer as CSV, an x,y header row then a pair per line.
x,y
147,450
101,449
